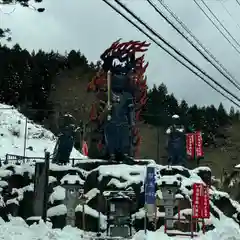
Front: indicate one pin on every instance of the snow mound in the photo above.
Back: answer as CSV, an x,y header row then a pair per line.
x,y
12,132
16,229
124,177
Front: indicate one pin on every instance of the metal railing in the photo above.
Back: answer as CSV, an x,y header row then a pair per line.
x,y
18,159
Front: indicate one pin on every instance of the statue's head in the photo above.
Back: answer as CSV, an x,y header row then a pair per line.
x,y
120,57
175,120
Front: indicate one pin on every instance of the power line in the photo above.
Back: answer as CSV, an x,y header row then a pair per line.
x,y
174,49
199,6
219,22
238,2
167,51
192,44
229,14
196,39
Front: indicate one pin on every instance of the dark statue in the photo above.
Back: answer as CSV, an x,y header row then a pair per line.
x,y
176,142
65,141
120,99
117,130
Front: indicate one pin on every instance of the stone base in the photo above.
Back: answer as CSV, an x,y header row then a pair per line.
x,y
91,164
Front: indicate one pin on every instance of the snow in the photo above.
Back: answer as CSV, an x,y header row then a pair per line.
x,y
3,184
92,212
58,194
5,173
52,179
17,229
237,166
169,180
72,179
91,194
23,168
117,183
199,169
12,201
169,130
175,116
12,130
20,191
58,210
131,174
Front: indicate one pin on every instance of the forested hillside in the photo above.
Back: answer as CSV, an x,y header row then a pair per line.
x,y
45,85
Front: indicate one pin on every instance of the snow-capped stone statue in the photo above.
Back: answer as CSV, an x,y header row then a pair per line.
x,y
176,142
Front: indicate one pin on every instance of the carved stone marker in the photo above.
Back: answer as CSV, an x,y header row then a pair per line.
x,y
119,213
73,197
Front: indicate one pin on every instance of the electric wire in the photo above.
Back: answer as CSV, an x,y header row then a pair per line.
x,y
216,26
234,39
196,39
238,2
174,49
228,12
171,54
192,44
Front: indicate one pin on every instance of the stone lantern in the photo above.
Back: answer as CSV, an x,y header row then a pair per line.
x,y
119,205
169,186
74,195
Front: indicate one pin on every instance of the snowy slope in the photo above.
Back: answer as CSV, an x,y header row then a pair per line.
x,y
12,131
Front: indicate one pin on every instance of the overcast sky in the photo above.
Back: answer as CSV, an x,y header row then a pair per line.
x,y
91,26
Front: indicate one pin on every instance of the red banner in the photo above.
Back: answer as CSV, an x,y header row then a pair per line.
x,y
198,144
200,201
206,203
84,148
190,145
196,200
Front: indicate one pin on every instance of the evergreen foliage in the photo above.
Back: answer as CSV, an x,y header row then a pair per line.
x,y
26,80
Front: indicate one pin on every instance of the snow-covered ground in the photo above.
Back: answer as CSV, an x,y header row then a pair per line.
x,y
17,229
12,132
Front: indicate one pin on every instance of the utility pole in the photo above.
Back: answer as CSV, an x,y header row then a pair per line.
x,y
158,143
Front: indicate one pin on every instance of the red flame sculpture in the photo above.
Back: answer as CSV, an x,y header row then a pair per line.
x,y
123,51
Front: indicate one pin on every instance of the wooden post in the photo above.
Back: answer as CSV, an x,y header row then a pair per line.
x,y
83,216
145,221
45,198
191,222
